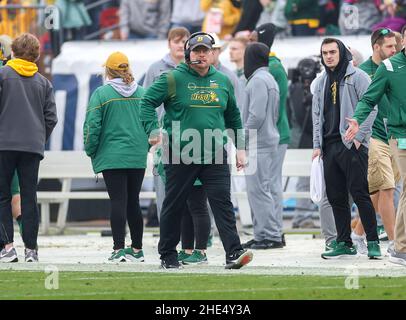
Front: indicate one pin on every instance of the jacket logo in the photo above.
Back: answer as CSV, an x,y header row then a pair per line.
x,y
213,84
191,86
205,96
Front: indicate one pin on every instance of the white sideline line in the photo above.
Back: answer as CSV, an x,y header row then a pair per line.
x,y
136,277
98,293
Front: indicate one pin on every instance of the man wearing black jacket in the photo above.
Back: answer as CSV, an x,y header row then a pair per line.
x,y
251,11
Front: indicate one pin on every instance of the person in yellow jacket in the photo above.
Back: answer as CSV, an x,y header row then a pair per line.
x,y
221,17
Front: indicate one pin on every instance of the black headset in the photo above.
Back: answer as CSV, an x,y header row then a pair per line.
x,y
186,46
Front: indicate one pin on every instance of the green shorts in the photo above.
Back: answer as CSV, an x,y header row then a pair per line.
x,y
15,185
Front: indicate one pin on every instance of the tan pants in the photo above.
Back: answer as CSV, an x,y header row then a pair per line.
x,y
383,172
400,225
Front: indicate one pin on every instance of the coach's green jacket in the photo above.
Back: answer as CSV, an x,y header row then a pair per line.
x,y
389,79
112,132
193,102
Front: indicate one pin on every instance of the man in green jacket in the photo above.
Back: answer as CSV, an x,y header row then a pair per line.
x,y
198,100
383,174
389,80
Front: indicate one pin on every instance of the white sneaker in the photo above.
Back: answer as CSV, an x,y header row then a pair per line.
x,y
31,255
8,256
391,247
398,258
359,243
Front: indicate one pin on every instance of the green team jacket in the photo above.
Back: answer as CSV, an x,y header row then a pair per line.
x,y
112,132
378,129
389,79
193,102
278,72
305,9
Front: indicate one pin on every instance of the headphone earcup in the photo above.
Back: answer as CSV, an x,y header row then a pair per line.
x,y
187,55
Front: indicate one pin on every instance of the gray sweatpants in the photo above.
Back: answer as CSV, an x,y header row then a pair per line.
x,y
304,207
327,222
260,198
277,187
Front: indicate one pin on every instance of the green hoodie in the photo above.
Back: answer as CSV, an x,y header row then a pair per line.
x,y
278,72
193,102
389,79
378,129
112,132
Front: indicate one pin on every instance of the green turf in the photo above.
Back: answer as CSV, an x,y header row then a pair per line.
x,y
178,286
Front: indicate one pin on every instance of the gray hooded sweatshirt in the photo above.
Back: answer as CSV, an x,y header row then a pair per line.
x,y
237,84
187,12
154,72
261,108
27,111
352,88
145,17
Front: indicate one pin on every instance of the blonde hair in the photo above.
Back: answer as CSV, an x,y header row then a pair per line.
x,y
125,74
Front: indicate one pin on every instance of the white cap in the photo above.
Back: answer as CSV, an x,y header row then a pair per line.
x,y
218,44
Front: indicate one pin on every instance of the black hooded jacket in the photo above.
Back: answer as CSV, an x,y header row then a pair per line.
x,y
256,56
331,127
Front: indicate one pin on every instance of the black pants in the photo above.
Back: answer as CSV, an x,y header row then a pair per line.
x,y
196,220
347,171
27,165
179,181
124,186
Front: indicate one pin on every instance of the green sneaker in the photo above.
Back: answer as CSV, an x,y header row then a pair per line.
x,y
197,257
118,256
182,255
374,250
331,246
132,256
341,250
382,235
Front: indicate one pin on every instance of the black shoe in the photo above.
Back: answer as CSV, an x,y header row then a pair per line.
x,y
283,240
267,244
248,244
275,244
169,264
239,259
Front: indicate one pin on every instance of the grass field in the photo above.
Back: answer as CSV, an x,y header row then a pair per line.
x,y
178,286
